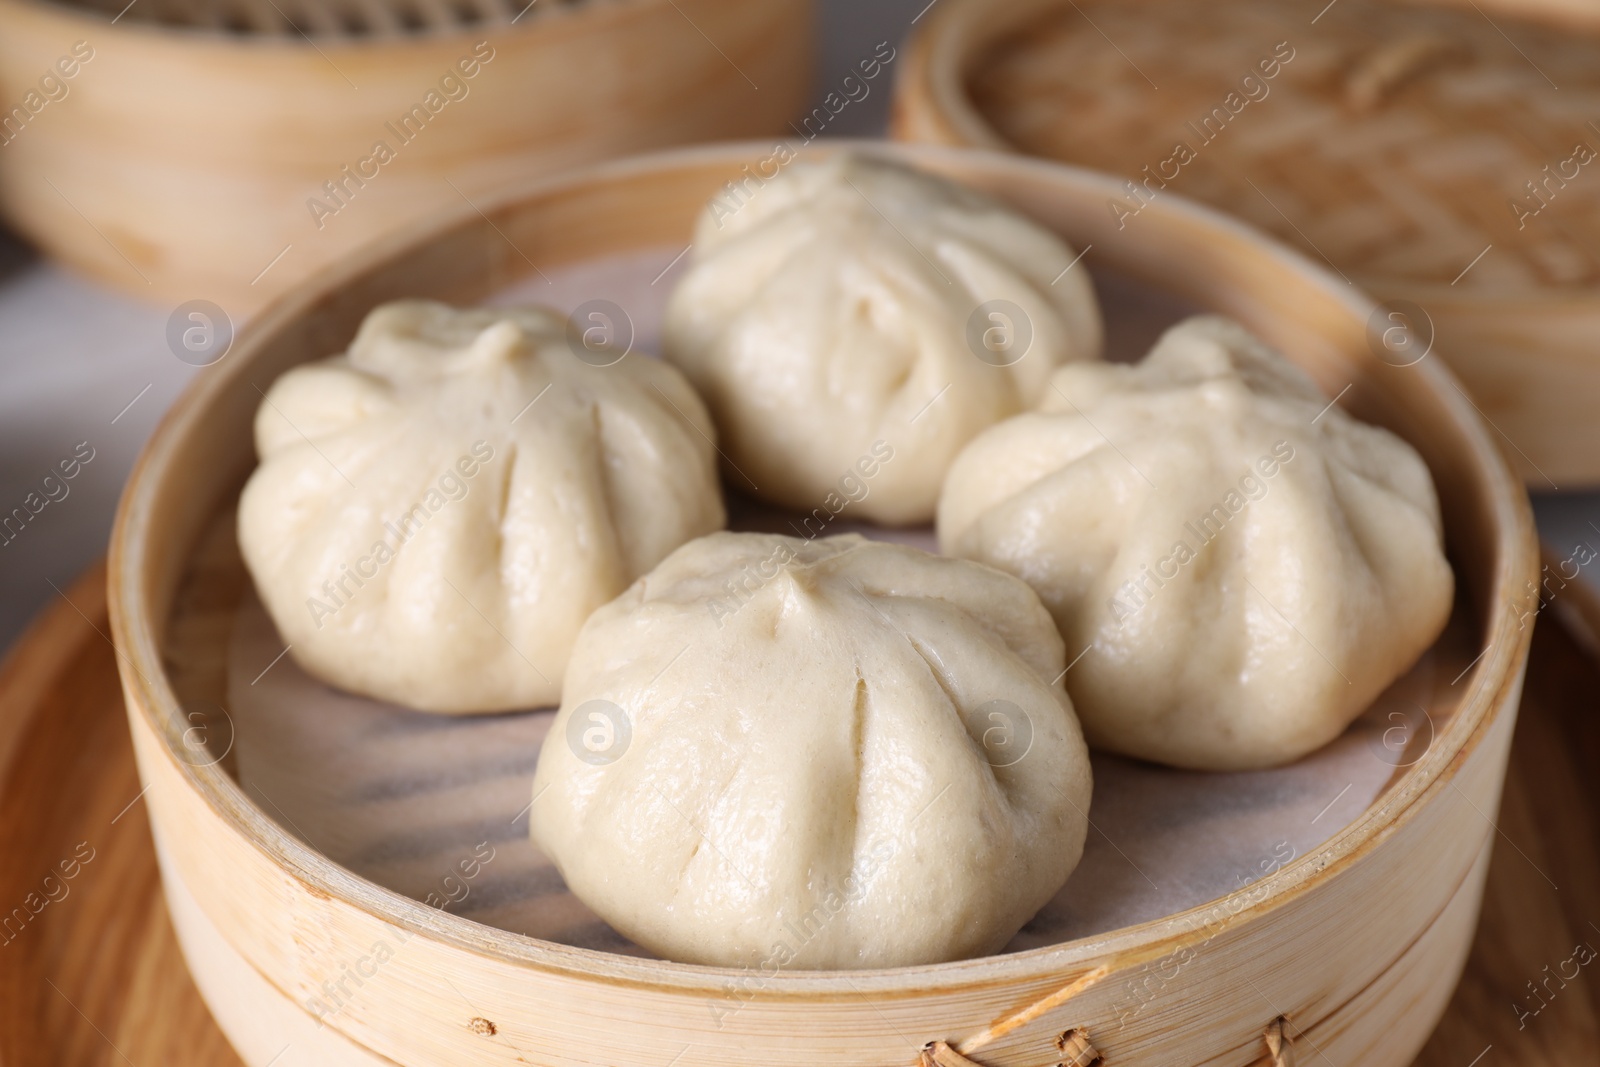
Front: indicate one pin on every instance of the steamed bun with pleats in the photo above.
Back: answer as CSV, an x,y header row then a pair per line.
x,y
1241,566
438,510
855,301
841,753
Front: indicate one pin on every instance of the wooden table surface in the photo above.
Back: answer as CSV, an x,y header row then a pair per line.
x,y
95,977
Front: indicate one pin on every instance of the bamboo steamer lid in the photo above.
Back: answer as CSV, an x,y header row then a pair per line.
x,y
1443,158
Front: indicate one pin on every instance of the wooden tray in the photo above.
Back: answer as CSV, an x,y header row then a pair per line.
x,y
97,977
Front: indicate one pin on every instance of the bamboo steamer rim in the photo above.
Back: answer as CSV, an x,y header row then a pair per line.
x,y
931,103
132,603
938,59
583,17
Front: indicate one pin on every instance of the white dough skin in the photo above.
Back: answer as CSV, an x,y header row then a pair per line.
x,y
807,783
1277,571
422,535
830,308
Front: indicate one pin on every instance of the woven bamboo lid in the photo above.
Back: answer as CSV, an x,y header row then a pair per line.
x,y
1397,142
1446,156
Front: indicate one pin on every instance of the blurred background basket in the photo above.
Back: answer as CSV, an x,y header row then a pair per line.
x,y
1432,155
224,149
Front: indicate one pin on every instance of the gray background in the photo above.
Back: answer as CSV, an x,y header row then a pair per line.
x,y
74,355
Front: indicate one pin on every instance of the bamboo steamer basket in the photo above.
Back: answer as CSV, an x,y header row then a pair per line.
x,y
183,160
1351,950
1391,147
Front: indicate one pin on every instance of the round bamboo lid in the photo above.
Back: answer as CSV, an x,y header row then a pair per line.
x,y
1444,158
